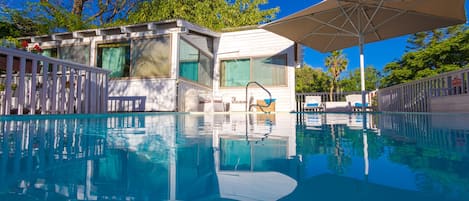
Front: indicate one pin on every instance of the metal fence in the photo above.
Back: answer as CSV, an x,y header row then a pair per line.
x,y
34,84
416,96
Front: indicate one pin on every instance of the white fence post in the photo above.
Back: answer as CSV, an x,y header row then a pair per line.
x,y
33,88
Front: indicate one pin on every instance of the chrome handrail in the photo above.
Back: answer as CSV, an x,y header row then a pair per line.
x,y
248,105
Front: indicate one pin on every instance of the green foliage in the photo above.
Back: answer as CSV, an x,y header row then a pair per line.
x,y
213,14
13,86
353,81
10,42
16,24
440,54
311,80
47,16
8,29
53,18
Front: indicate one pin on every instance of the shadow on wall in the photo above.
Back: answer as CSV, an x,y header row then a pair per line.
x,y
159,94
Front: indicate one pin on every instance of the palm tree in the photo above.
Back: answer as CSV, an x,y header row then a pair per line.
x,y
336,63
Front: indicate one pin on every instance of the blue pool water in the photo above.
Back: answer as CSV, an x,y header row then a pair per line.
x,y
165,156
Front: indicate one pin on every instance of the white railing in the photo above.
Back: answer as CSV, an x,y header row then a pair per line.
x,y
34,84
416,96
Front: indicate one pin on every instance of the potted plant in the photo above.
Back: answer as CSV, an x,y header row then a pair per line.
x,y
12,43
13,88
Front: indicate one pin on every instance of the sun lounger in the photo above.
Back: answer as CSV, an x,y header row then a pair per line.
x,y
313,103
355,101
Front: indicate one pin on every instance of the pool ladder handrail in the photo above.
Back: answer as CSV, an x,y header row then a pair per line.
x,y
248,104
264,135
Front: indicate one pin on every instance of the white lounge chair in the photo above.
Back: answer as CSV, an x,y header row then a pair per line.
x,y
355,101
313,103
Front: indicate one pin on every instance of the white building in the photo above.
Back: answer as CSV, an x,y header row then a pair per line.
x,y
178,66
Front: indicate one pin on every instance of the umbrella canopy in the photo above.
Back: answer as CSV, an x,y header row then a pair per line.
x,y
337,24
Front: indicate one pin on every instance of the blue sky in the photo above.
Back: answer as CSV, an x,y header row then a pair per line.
x,y
377,54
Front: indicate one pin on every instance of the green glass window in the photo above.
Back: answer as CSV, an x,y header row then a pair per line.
x,y
268,71
235,72
189,70
194,65
114,57
49,52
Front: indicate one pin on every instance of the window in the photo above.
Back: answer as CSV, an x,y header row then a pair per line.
x,y
194,65
114,57
49,52
268,71
235,72
151,57
76,53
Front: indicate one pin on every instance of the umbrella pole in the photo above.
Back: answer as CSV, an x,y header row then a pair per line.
x,y
362,76
361,42
365,153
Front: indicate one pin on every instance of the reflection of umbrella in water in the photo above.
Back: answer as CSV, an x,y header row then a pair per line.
x,y
337,24
333,187
239,185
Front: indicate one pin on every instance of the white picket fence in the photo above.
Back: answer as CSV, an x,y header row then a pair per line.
x,y
35,84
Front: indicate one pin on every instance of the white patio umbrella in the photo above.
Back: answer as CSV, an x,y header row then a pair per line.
x,y
337,24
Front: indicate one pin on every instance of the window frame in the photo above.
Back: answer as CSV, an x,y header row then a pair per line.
x,y
251,68
170,50
110,42
60,52
201,52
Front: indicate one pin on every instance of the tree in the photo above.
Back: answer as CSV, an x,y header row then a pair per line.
x,y
16,24
448,54
309,79
213,14
58,15
422,40
352,82
336,62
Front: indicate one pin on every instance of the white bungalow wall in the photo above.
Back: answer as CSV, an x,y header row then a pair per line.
x,y
257,43
170,94
129,94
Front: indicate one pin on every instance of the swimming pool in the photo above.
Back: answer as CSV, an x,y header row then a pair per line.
x,y
167,156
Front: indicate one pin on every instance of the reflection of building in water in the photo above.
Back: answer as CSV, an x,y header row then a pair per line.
x,y
142,157
257,128
220,156
254,156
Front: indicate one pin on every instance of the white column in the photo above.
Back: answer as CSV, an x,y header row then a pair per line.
x,y
175,65
362,70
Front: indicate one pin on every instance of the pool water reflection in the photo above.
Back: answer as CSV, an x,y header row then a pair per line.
x,y
235,157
